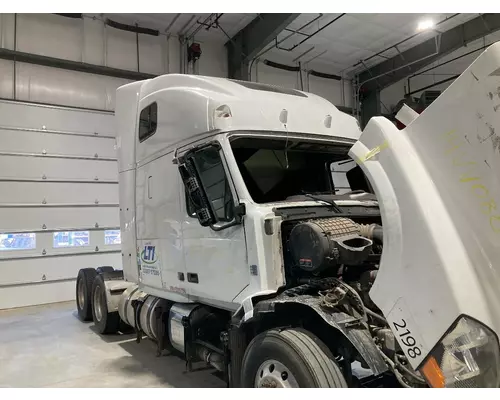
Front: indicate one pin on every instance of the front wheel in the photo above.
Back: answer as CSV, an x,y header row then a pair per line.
x,y
289,358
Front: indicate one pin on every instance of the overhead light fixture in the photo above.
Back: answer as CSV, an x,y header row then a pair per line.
x,y
425,25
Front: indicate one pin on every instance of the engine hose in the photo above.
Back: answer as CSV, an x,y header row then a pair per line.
x,y
372,232
378,234
399,376
375,315
411,373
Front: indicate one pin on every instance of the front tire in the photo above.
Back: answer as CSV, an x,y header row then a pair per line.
x,y
104,321
290,358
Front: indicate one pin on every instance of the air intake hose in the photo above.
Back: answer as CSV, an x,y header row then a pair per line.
x,y
373,232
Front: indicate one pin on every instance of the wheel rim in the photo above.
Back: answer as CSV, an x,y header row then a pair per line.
x,y
80,294
97,303
273,374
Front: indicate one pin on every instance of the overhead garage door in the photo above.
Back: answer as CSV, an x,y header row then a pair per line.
x,y
58,200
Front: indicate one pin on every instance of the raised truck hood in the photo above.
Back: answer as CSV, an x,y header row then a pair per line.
x,y
437,182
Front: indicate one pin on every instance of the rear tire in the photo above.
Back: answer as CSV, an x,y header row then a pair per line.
x,y
84,283
104,321
289,358
100,270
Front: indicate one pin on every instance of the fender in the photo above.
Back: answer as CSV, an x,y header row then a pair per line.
x,y
343,323
115,285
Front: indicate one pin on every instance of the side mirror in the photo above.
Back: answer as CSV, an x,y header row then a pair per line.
x,y
207,186
197,195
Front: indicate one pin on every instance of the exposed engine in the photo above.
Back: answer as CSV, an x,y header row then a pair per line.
x,y
328,243
340,257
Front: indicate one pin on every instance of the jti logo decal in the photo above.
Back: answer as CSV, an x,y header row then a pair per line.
x,y
148,255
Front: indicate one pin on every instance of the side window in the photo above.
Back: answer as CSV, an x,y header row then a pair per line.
x,y
214,180
148,120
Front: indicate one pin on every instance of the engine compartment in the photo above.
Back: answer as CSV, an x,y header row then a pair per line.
x,y
344,247
339,256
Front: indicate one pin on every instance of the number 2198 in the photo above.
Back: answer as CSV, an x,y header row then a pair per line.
x,y
405,337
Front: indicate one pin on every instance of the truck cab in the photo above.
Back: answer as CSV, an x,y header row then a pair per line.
x,y
262,230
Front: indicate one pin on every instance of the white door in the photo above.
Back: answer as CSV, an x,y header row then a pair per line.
x,y
216,261
58,200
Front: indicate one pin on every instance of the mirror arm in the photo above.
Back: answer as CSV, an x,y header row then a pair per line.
x,y
240,211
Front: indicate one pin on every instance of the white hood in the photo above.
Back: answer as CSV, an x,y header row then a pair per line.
x,y
438,185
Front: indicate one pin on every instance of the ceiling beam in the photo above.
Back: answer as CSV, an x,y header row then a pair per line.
x,y
252,39
394,69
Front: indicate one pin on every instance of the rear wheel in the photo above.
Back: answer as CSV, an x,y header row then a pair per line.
x,y
289,358
104,321
84,282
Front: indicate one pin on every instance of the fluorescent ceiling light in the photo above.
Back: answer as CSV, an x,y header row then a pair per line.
x,y
425,25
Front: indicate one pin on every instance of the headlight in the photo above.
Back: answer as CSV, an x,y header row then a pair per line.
x,y
467,357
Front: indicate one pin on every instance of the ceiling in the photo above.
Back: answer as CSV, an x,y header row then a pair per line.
x,y
351,38
341,41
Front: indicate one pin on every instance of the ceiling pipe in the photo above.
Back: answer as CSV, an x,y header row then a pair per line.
x,y
281,41
174,20
185,26
303,54
311,35
401,42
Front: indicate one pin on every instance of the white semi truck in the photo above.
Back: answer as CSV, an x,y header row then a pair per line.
x,y
265,234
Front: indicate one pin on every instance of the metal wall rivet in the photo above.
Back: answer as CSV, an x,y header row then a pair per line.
x,y
96,178
97,248
44,151
44,278
96,225
96,155
44,127
96,201
44,252
44,201
44,226
44,177
96,133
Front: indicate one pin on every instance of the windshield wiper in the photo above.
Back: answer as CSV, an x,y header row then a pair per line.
x,y
332,203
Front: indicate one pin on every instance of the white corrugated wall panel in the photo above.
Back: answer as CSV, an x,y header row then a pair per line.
x,y
58,172
56,168
50,35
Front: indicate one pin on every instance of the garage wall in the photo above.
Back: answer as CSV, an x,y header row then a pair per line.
x,y
58,200
327,88
390,96
90,41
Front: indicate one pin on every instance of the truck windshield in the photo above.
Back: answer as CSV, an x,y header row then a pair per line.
x,y
277,170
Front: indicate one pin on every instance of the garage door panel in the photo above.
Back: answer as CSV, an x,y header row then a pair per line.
x,y
51,182
29,271
37,142
32,295
58,193
54,168
15,219
25,115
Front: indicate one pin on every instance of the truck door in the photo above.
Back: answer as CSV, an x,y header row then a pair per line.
x,y
216,259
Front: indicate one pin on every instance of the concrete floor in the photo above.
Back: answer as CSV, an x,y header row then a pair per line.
x,y
47,346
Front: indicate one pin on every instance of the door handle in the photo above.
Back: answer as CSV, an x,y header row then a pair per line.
x,y
149,188
193,278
